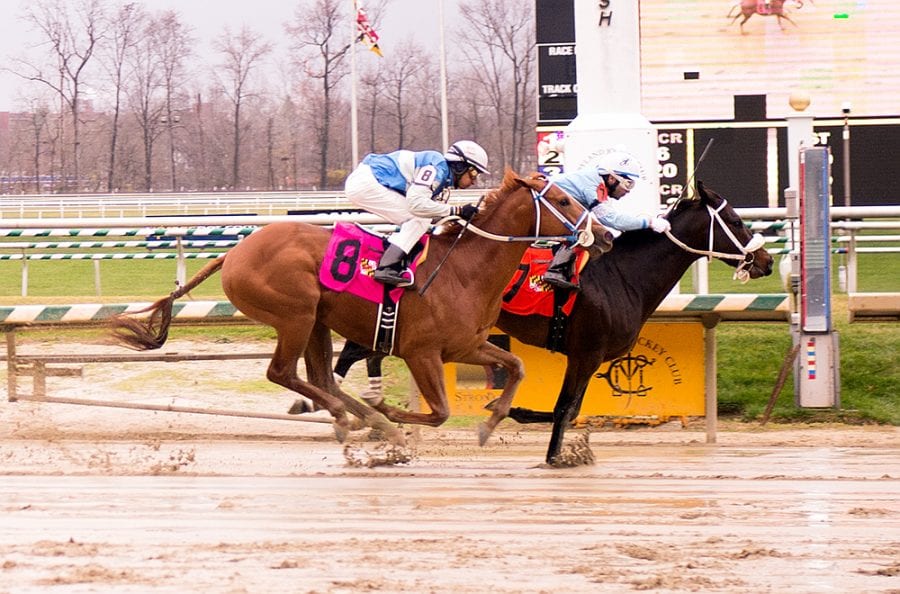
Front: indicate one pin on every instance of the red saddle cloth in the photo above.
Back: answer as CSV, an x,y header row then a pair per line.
x,y
350,261
527,293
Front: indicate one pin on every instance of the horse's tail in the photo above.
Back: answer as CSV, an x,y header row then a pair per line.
x,y
151,334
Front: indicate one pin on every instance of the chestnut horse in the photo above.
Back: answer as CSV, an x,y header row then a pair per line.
x,y
272,276
747,8
622,289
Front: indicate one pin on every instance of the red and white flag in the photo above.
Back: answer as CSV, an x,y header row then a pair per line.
x,y
365,32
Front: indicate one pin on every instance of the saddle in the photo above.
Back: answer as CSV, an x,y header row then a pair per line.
x,y
527,294
350,260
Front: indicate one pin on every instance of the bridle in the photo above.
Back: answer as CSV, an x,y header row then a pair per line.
x,y
746,257
583,237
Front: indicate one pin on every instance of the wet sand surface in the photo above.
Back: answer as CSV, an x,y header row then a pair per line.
x,y
130,501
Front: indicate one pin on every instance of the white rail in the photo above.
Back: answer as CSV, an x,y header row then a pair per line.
x,y
43,206
205,227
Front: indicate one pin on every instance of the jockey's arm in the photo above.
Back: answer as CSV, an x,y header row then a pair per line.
x,y
420,195
609,215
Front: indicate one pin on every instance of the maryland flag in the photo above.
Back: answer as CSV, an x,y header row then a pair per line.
x,y
365,32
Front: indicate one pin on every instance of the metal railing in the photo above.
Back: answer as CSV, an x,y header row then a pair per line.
x,y
42,206
168,237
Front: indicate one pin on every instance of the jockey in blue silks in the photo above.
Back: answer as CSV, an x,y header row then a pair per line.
x,y
410,189
599,188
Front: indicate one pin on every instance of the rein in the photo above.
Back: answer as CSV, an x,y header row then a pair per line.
x,y
583,237
746,255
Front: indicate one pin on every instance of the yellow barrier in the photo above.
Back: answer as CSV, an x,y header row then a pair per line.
x,y
662,376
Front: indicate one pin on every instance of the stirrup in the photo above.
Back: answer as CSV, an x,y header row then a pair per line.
x,y
397,278
559,280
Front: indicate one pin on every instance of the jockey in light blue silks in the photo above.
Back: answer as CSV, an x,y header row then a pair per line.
x,y
410,189
598,188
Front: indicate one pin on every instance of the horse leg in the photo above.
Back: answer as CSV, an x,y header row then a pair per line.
x,y
374,394
283,371
490,354
427,370
568,404
579,371
787,18
318,357
525,416
351,353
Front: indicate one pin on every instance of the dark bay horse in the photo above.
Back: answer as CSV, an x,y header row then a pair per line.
x,y
622,289
273,277
747,8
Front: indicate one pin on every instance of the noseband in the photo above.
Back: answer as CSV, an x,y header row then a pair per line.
x,y
746,257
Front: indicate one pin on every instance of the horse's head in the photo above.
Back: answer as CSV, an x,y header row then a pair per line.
x,y
533,208
707,225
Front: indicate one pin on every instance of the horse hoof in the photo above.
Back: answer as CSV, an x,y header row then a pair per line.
x,y
490,405
301,406
484,433
341,431
390,431
396,438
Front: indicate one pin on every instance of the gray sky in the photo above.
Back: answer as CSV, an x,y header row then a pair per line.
x,y
417,19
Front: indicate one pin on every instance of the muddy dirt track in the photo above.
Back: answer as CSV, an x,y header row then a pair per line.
x,y
98,500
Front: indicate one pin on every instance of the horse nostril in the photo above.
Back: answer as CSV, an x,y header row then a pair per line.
x,y
608,237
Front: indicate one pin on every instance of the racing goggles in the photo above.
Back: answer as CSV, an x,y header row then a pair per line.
x,y
626,183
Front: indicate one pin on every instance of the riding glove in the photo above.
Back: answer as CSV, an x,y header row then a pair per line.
x,y
660,225
465,212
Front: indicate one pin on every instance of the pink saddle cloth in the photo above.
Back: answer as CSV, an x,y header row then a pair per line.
x,y
350,260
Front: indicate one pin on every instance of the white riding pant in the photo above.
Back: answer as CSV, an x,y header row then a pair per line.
x,y
364,191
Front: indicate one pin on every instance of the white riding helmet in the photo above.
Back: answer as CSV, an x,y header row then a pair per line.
x,y
468,152
622,164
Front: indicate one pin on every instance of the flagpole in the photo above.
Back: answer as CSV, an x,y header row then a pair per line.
x,y
354,122
445,126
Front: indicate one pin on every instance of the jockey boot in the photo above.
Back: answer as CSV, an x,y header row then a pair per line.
x,y
391,268
559,273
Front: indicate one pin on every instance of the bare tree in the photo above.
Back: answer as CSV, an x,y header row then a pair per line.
x,y
500,51
242,53
126,25
371,82
320,39
72,32
399,79
173,44
38,125
146,96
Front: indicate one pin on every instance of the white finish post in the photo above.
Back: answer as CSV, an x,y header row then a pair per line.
x,y
800,134
608,67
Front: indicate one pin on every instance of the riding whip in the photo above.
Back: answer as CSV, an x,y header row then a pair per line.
x,y
696,167
444,259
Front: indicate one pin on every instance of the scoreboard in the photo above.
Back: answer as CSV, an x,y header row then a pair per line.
x,y
700,82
